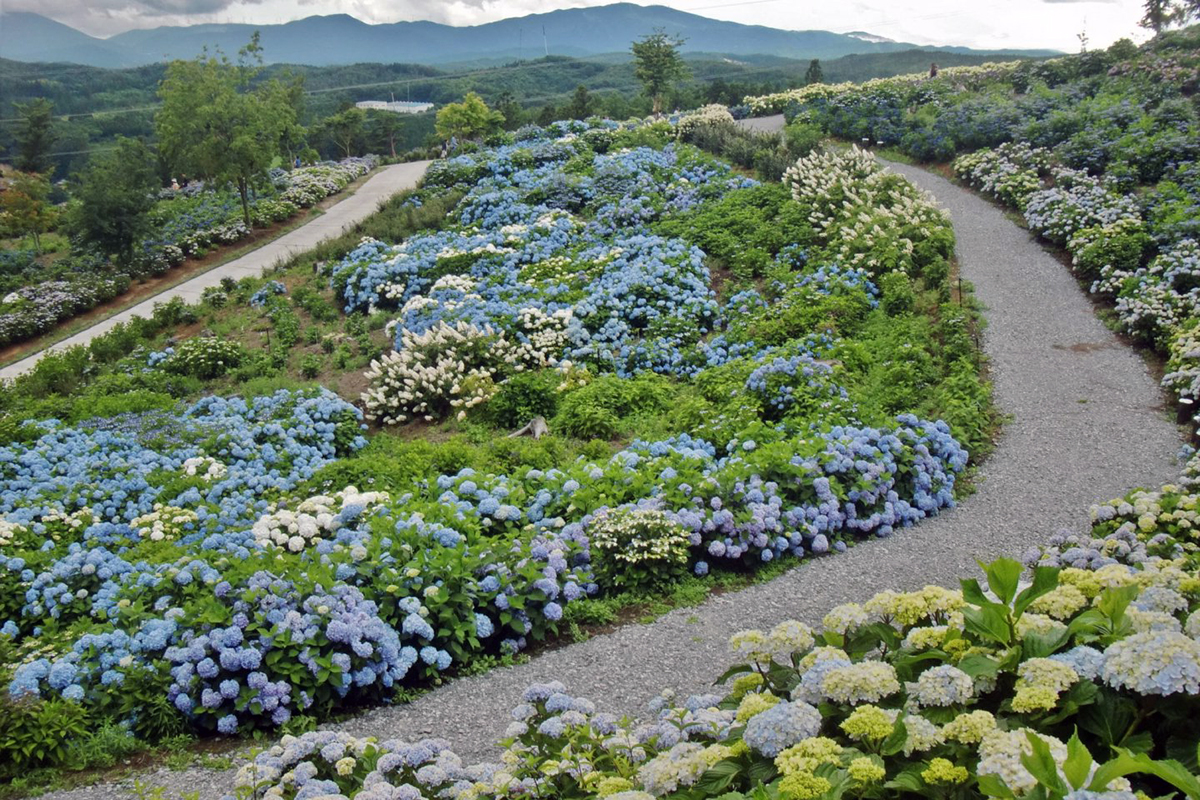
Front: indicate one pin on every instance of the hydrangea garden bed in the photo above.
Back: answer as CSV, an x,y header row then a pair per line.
x,y
232,565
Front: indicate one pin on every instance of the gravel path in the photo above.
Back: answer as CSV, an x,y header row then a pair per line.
x,y
336,220
1088,424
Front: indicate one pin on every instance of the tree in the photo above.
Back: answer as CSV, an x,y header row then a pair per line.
x,y
658,64
507,105
1158,15
581,103
116,193
384,127
470,119
345,129
214,124
814,73
293,140
35,135
24,210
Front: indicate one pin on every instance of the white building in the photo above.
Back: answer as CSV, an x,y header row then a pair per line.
x,y
395,106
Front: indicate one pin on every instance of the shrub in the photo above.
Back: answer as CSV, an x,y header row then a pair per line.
x,y
205,357
524,396
637,548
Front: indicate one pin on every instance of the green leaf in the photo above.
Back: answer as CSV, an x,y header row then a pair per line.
x,y
979,666
718,776
1184,749
972,593
894,743
1127,763
1045,579
987,622
1113,602
761,772
739,669
1079,761
1108,718
1041,764
1040,645
909,780
993,786
1003,577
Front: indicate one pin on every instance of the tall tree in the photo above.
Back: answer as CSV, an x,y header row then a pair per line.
x,y
384,127
25,209
658,64
470,119
814,73
581,103
293,139
35,135
1158,15
345,129
507,105
115,193
217,124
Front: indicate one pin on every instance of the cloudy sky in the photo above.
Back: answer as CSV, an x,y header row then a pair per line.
x,y
1008,23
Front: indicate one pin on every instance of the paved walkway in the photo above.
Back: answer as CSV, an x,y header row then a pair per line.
x,y
336,220
1088,424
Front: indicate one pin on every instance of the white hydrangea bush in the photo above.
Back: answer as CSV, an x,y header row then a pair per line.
x,y
314,519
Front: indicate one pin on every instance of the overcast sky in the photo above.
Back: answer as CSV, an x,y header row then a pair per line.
x,y
1014,23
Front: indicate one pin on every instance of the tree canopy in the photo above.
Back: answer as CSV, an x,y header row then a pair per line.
x,y
470,119
35,135
814,73
658,64
25,209
217,123
115,193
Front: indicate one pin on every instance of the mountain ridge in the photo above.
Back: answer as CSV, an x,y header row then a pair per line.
x,y
344,39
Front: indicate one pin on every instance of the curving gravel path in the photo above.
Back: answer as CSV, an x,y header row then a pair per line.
x,y
1088,423
338,219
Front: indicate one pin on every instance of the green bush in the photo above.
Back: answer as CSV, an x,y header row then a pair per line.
x,y
897,293
205,357
524,396
802,138
37,733
310,365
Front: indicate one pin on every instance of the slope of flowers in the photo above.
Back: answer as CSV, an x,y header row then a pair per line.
x,y
1097,150
557,263
1078,678
187,223
164,572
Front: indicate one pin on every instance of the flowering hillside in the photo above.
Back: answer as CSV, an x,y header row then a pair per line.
x,y
732,374
1098,151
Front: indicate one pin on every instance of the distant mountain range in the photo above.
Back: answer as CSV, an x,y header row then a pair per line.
x,y
342,39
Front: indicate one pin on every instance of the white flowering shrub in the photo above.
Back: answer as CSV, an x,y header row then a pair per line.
x,y
637,547
205,467
204,357
872,218
164,523
445,370
314,519
715,114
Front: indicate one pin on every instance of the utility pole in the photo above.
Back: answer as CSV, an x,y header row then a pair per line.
x,y
545,45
